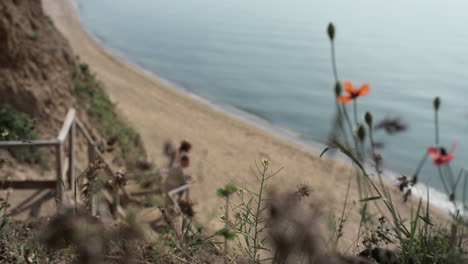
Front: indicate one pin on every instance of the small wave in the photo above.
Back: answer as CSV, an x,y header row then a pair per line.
x,y
253,112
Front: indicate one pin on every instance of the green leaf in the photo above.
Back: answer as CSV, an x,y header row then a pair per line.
x,y
350,155
226,191
370,199
4,222
230,189
325,150
426,220
221,192
226,233
386,238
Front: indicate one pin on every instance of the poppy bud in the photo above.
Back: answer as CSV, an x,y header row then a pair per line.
x,y
331,31
437,103
338,89
361,133
452,197
368,118
414,180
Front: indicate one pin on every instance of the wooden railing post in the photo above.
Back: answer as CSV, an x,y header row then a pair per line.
x,y
60,180
116,201
91,160
91,154
71,157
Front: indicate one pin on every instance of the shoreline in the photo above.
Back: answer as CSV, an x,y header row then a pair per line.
x,y
225,145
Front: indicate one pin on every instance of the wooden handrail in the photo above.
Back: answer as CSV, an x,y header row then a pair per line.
x,y
83,130
32,143
93,143
67,124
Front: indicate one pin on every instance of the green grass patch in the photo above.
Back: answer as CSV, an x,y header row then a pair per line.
x,y
154,201
33,35
103,115
16,125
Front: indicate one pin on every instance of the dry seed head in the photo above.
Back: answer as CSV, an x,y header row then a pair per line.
x,y
304,190
392,126
331,31
187,208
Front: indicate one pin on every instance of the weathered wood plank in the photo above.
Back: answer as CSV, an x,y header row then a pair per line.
x,y
28,184
60,181
67,124
84,131
71,157
91,159
32,143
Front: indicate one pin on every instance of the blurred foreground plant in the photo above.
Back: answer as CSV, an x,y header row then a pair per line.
x,y
418,240
250,220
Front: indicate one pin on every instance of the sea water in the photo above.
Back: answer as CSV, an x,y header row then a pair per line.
x,y
271,59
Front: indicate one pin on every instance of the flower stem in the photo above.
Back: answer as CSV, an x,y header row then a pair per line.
x,y
335,72
257,213
441,176
339,121
355,113
226,225
436,119
420,165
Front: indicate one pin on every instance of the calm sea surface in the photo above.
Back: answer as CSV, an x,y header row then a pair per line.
x,y
272,59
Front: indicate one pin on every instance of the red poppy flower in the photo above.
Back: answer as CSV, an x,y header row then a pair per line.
x,y
440,155
353,93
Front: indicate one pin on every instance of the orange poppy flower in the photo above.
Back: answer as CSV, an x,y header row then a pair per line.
x,y
353,93
441,156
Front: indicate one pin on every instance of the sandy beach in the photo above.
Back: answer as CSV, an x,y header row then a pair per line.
x,y
225,147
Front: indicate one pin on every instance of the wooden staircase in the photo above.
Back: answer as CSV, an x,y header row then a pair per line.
x,y
65,166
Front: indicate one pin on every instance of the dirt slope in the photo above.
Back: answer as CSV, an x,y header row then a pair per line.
x,y
36,64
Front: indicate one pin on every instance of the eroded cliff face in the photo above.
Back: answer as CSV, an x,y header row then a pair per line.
x,y
36,65
38,76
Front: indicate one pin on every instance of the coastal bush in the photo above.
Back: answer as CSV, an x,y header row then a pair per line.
x,y
250,220
33,35
16,125
103,115
49,20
